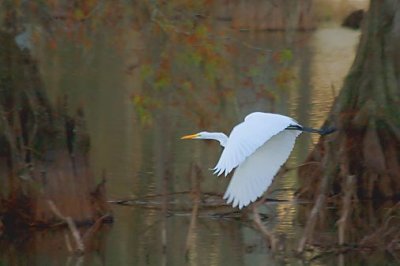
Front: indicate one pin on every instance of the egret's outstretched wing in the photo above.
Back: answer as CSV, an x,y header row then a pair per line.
x,y
248,136
252,178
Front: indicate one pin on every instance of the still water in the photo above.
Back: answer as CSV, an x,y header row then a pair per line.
x,y
135,143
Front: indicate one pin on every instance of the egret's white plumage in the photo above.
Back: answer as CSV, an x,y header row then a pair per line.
x,y
248,136
257,148
252,177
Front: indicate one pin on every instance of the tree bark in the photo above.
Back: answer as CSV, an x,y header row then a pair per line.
x,y
367,116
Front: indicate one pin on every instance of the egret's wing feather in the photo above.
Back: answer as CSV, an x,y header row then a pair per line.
x,y
248,136
252,178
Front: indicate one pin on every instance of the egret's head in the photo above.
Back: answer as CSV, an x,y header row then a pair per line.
x,y
200,135
220,137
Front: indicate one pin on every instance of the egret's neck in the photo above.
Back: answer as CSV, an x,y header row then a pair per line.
x,y
221,137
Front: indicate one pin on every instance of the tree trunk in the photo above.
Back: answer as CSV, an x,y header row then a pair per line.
x,y
43,150
367,117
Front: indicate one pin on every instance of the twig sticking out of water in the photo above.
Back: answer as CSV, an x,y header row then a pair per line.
x,y
80,247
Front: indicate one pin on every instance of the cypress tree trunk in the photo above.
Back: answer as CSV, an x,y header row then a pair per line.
x,y
366,115
43,150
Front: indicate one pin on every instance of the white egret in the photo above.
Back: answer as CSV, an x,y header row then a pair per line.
x,y
257,148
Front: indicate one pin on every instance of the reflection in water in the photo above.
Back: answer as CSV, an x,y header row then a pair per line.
x,y
140,160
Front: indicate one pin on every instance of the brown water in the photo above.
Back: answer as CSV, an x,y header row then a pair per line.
x,y
141,159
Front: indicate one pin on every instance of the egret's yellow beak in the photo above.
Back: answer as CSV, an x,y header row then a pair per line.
x,y
193,136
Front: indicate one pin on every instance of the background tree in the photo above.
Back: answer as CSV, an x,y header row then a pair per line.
x,y
366,147
366,114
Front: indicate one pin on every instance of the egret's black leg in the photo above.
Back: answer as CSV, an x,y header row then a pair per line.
x,y
322,131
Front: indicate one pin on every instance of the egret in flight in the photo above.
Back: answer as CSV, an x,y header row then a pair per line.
x,y
256,149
